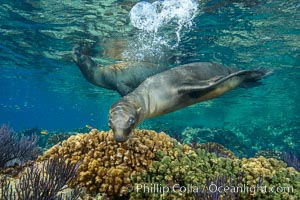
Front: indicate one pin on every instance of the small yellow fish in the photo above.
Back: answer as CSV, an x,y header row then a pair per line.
x,y
44,132
88,126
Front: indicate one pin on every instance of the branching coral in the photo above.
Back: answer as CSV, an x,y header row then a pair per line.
x,y
107,165
149,158
196,168
41,181
15,148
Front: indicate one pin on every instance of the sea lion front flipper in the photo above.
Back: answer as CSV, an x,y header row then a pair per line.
x,y
93,72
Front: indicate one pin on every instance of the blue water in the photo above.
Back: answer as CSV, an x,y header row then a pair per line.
x,y
41,87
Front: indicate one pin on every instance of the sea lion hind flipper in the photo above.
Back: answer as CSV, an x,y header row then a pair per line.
x,y
198,88
124,89
198,85
253,77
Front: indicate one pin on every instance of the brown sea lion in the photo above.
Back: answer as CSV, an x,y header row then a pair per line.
x,y
174,89
123,77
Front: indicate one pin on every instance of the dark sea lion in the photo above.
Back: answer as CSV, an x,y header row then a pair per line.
x,y
174,89
123,77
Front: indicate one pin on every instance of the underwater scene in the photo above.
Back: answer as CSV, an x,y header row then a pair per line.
x,y
156,99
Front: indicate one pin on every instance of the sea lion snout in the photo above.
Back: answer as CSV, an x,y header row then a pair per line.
x,y
121,135
121,130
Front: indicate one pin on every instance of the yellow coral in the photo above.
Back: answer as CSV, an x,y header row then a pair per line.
x,y
112,168
107,165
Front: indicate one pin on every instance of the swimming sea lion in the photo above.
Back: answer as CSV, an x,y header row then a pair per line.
x,y
174,89
123,77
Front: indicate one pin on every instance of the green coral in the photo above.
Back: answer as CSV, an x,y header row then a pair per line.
x,y
151,163
196,167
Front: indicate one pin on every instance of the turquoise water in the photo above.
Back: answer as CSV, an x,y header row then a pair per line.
x,y
41,87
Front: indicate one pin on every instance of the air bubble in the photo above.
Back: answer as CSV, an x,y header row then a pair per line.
x,y
151,16
160,24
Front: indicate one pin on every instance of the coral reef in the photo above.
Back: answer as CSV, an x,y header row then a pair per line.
x,y
267,139
16,149
33,132
244,140
269,154
219,182
290,159
43,181
107,166
196,168
224,137
219,150
150,162
57,137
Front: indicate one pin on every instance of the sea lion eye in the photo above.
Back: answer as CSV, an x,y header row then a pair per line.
x,y
131,120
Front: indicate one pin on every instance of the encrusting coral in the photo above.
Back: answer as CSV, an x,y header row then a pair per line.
x,y
150,161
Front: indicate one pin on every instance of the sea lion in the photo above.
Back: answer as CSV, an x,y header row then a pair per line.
x,y
174,89
123,77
